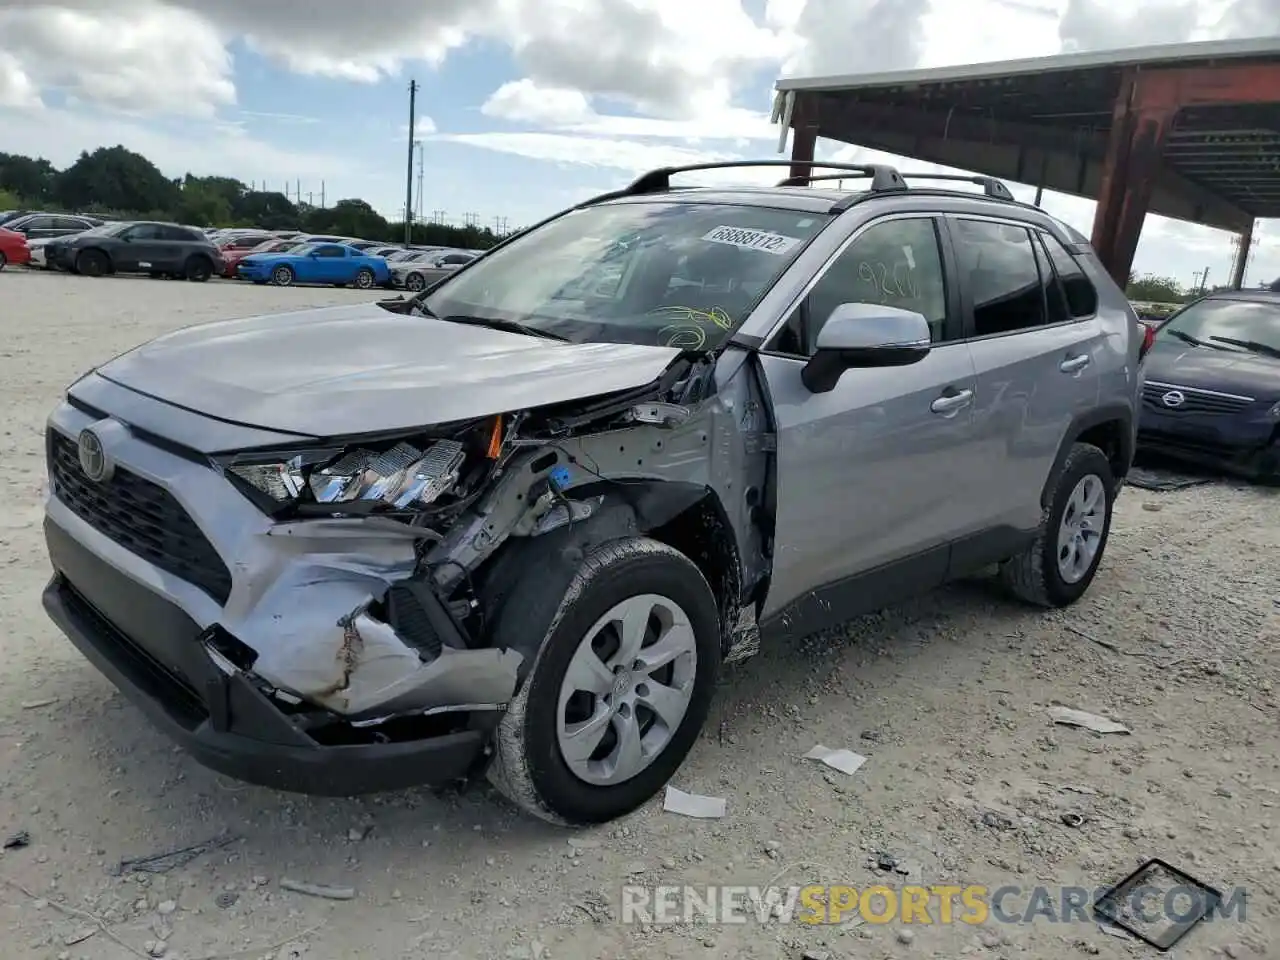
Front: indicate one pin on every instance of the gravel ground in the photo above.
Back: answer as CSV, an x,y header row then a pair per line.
x,y
966,782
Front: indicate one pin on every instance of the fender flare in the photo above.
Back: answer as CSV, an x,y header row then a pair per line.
x,y
1082,423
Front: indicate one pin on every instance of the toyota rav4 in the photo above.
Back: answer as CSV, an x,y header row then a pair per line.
x,y
515,524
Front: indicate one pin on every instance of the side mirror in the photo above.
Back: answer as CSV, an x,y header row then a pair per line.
x,y
865,335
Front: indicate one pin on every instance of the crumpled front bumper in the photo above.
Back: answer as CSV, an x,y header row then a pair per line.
x,y
333,699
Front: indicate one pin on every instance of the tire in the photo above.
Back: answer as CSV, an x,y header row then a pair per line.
x,y
414,283
1035,575
283,276
198,269
565,605
3,260
92,263
364,279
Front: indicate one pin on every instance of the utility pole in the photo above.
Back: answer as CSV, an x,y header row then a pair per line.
x,y
418,144
321,194
298,191
408,176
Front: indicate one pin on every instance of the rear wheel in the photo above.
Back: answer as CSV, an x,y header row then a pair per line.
x,y
364,279
92,263
620,685
3,260
414,282
282,276
1057,568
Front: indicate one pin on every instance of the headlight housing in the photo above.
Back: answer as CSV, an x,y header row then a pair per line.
x,y
402,477
1274,412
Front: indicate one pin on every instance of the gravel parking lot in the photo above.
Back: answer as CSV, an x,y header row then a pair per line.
x,y
967,780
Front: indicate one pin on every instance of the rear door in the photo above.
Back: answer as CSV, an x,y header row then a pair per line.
x,y
869,475
1037,361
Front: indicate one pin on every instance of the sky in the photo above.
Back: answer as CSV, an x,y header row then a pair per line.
x,y
527,106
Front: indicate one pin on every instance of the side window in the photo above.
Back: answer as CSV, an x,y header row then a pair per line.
x,y
331,252
70,223
144,231
40,223
999,265
1082,298
176,234
1054,301
896,263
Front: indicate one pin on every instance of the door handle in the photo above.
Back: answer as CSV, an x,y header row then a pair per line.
x,y
952,402
1073,364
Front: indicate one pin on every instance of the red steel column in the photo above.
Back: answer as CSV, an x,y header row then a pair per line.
x,y
1139,128
804,139
1242,257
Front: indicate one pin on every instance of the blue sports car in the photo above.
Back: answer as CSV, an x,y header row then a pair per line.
x,y
326,263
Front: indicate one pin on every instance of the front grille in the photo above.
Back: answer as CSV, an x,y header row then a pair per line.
x,y
141,516
1194,401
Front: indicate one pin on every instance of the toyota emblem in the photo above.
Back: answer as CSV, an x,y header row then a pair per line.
x,y
1174,398
93,459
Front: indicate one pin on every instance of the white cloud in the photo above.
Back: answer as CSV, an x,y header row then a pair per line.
x,y
626,155
137,56
526,102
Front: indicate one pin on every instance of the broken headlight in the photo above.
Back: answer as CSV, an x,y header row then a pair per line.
x,y
403,476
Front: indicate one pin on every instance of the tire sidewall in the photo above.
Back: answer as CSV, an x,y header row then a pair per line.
x,y
364,278
95,261
413,278
1083,460
199,270
663,573
282,272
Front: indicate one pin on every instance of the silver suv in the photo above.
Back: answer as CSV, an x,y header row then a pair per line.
x,y
515,524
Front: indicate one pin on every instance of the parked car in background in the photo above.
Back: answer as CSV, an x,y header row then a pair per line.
x,y
154,248
13,248
376,251
1212,394
320,263
242,242
46,226
364,246
231,258
7,215
419,274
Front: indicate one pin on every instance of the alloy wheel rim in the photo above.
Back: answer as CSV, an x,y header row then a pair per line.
x,y
1080,532
627,689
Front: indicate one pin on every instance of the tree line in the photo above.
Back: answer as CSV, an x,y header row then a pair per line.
x,y
118,183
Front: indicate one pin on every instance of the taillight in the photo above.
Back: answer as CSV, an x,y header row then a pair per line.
x,y
1148,340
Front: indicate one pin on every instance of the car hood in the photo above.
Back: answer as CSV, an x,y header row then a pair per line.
x,y
361,369
1208,368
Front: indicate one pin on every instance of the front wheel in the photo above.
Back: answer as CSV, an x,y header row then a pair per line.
x,y
92,263
282,276
1058,566
364,279
619,688
199,269
414,282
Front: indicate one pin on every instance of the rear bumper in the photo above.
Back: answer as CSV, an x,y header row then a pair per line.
x,y
151,650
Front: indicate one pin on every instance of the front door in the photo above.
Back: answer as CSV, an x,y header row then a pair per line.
x,y
871,476
141,249
1037,346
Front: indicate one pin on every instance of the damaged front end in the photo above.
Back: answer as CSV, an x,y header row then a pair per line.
x,y
365,575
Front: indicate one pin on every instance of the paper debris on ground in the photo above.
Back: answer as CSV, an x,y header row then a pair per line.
x,y
846,761
693,805
1090,721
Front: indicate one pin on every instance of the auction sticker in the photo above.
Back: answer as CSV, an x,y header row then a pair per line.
x,y
747,239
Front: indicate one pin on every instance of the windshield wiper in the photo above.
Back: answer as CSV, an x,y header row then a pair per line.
x,y
1253,346
508,326
1185,338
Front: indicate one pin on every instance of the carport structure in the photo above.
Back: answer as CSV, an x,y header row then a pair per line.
x,y
1189,131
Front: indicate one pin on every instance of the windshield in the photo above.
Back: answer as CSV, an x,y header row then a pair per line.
x,y
664,273
1240,326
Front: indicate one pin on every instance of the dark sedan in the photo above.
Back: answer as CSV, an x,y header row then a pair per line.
x,y
1212,393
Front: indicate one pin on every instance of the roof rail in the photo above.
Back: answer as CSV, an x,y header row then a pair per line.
x,y
991,187
883,178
